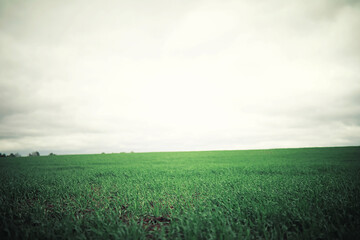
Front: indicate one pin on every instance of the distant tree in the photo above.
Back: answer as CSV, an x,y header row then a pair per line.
x,y
52,154
2,155
34,154
17,155
11,155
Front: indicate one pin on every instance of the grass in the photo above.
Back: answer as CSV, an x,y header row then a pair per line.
x,y
311,193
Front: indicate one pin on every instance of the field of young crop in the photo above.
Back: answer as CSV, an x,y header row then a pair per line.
x,y
309,193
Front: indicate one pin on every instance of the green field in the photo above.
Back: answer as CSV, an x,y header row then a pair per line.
x,y
311,193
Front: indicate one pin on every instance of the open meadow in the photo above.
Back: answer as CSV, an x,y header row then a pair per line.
x,y
310,193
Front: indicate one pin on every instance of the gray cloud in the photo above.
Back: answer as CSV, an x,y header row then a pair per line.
x,y
80,77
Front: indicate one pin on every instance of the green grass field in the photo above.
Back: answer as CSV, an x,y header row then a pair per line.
x,y
311,193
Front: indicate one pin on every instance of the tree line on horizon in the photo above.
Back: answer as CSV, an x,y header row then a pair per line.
x,y
32,154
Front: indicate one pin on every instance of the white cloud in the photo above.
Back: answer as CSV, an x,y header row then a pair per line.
x,y
115,76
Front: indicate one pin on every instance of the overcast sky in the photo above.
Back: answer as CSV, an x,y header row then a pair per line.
x,y
150,75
